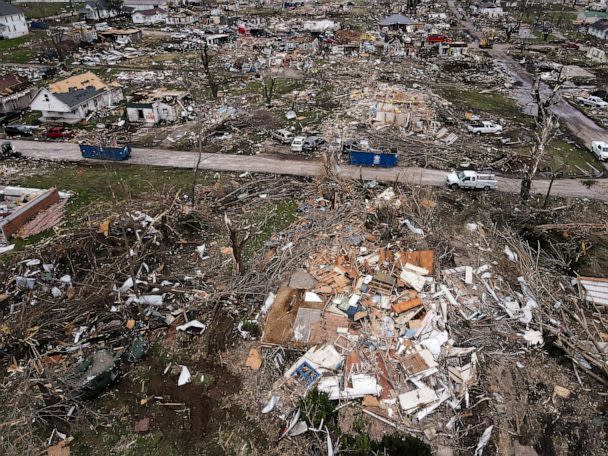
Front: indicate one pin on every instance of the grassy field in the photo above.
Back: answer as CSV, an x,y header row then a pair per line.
x,y
36,10
108,182
492,103
564,157
22,49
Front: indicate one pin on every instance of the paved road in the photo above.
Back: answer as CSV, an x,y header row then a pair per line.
x,y
579,125
61,151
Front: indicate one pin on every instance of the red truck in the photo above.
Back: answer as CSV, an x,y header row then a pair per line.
x,y
58,133
434,38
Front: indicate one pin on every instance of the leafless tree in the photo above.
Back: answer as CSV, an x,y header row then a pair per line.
x,y
268,84
209,70
238,242
56,42
196,168
546,124
203,136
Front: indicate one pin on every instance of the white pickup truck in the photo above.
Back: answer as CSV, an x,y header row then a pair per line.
x,y
471,179
593,101
484,126
600,149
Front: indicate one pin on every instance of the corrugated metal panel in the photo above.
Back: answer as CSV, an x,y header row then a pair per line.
x,y
594,289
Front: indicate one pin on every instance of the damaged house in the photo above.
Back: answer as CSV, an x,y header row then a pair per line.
x,y
12,21
15,93
74,99
149,17
599,29
95,10
396,22
183,17
403,108
161,105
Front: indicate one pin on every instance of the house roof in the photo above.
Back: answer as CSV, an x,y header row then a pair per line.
x,y
80,81
144,2
6,9
101,4
10,83
79,96
600,25
595,14
150,12
396,19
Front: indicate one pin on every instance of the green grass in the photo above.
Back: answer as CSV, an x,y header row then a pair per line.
x,y
7,45
109,182
491,103
35,10
562,156
282,86
270,220
120,439
22,49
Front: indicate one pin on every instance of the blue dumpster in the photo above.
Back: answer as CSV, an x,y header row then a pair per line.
x,y
378,158
105,153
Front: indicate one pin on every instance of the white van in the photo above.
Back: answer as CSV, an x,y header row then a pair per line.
x,y
600,149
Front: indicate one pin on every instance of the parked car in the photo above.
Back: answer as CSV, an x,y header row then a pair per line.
x,y
312,142
18,130
600,149
484,126
436,38
471,179
298,143
593,101
570,45
59,132
284,136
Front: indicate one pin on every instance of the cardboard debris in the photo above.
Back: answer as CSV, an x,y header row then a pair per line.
x,y
254,359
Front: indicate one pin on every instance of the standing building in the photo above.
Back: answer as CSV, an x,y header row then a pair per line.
x,y
12,21
74,99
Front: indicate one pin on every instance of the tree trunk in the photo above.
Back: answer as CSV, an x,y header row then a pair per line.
x,y
526,185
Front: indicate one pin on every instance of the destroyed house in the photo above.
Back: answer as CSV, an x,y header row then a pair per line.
x,y
593,290
28,211
599,29
15,93
159,106
95,10
307,43
184,17
403,108
122,35
12,21
492,10
453,49
74,99
292,4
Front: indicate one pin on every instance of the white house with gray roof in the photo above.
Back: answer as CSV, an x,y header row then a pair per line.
x,y
74,105
12,21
